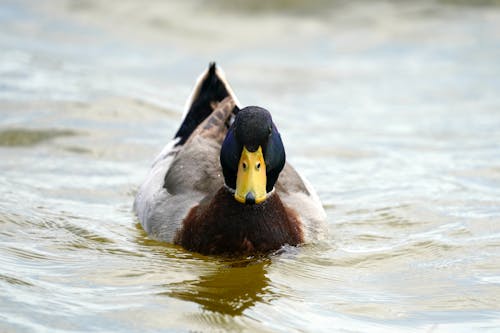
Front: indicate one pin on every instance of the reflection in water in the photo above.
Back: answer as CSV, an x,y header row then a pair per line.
x,y
227,286
230,289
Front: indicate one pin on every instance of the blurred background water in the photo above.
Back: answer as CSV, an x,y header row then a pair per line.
x,y
390,108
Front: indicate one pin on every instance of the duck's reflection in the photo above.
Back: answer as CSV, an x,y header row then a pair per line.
x,y
230,289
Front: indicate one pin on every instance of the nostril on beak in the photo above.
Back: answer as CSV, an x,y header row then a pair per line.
x,y
250,198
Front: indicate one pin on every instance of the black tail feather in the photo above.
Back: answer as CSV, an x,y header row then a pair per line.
x,y
211,89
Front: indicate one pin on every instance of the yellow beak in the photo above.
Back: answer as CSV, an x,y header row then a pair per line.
x,y
251,177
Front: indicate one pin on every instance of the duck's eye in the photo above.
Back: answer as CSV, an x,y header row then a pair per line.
x,y
258,165
244,165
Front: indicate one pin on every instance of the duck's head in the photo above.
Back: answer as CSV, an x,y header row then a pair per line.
x,y
252,155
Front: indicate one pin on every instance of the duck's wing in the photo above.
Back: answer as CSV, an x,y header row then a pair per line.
x,y
196,166
297,194
188,167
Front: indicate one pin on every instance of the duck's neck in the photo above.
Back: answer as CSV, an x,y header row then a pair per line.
x,y
225,226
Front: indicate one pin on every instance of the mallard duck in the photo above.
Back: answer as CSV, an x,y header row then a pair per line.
x,y
222,185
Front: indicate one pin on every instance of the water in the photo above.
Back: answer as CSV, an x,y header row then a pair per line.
x,y
391,109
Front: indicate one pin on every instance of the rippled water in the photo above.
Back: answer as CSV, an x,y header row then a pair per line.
x,y
391,109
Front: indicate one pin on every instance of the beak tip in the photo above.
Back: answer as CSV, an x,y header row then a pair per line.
x,y
250,198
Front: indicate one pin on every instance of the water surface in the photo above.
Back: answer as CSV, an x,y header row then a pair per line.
x,y
391,109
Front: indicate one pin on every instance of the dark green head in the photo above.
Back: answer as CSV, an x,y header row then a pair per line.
x,y
252,155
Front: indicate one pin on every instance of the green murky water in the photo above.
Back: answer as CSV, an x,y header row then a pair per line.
x,y
26,137
391,109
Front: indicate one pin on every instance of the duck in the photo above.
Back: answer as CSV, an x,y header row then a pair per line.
x,y
222,185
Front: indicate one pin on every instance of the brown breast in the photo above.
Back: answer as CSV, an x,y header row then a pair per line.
x,y
222,225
